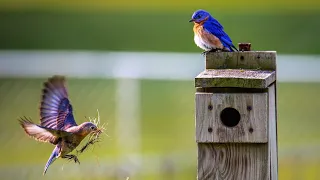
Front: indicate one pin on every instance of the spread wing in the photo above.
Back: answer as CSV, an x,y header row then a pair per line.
x,y
40,133
55,108
215,28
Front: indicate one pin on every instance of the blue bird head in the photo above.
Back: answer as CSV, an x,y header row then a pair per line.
x,y
200,16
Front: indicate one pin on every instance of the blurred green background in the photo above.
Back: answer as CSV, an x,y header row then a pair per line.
x,y
285,26
167,107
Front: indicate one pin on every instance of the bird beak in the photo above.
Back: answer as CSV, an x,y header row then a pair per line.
x,y
191,20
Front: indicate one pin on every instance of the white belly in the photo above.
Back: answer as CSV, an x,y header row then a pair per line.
x,y
202,44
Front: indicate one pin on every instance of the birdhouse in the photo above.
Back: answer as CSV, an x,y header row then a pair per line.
x,y
236,127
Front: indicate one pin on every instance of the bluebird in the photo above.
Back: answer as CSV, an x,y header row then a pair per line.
x,y
209,34
57,124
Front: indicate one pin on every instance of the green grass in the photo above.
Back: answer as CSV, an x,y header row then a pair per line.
x,y
161,5
167,112
295,33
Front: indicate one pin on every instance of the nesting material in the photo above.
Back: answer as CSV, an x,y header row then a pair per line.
x,y
94,137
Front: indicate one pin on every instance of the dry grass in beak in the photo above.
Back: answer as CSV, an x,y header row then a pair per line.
x,y
95,135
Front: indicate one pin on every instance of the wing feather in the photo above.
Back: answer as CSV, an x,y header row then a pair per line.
x,y
215,28
40,133
55,107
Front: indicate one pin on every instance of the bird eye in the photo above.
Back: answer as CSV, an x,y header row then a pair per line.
x,y
92,127
199,16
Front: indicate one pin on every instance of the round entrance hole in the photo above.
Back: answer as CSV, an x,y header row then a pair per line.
x,y
230,117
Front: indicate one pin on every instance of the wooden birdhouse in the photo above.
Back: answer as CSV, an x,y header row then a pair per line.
x,y
236,116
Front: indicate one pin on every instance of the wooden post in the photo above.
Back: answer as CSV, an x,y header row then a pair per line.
x,y
236,120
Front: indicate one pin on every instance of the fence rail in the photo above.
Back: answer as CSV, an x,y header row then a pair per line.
x,y
137,65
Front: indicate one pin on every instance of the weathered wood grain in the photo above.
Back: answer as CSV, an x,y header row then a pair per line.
x,y
273,140
233,161
263,60
235,78
253,123
245,81
231,90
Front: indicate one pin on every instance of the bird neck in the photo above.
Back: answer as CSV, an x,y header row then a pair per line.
x,y
79,131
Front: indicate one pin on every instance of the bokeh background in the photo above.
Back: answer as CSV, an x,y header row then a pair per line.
x,y
119,57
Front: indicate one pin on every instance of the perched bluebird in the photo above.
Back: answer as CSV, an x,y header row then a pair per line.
x,y
57,124
209,34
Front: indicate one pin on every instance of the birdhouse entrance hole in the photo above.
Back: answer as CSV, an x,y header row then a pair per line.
x,y
230,117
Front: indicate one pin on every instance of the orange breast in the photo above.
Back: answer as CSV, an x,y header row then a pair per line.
x,y
210,40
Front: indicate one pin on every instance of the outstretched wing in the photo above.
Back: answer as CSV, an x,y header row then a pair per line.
x,y
40,133
215,28
55,108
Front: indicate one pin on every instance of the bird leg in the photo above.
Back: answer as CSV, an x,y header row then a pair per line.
x,y
215,50
211,50
71,156
204,53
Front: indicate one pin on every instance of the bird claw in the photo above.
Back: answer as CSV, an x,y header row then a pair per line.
x,y
204,53
76,160
212,50
215,50
71,156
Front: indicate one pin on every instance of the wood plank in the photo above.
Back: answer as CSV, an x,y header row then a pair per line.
x,y
273,140
231,90
263,60
253,112
232,161
235,78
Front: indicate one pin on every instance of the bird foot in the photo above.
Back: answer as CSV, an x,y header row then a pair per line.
x,y
71,156
204,53
212,50
215,50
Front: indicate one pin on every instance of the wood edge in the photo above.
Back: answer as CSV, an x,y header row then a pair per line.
x,y
225,60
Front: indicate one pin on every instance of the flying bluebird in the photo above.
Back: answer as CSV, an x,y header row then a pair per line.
x,y
209,34
57,124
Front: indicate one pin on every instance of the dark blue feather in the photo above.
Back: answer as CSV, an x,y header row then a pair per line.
x,y
215,28
55,108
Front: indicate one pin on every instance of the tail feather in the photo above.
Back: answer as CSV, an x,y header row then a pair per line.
x,y
54,155
232,48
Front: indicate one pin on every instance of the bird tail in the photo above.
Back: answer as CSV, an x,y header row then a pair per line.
x,y
232,48
54,155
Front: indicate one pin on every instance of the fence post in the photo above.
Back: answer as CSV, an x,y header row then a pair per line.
x,y
236,116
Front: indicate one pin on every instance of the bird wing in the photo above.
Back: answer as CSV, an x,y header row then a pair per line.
x,y
215,28
55,108
40,133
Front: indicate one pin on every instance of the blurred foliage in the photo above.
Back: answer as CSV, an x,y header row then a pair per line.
x,y
281,25
162,5
167,117
285,33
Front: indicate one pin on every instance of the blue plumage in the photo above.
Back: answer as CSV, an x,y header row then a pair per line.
x,y
55,108
207,29
54,155
57,123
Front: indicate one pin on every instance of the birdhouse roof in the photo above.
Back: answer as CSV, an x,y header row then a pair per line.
x,y
241,78
248,69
